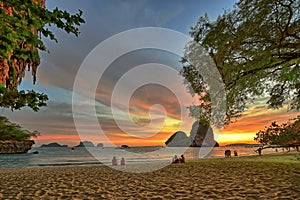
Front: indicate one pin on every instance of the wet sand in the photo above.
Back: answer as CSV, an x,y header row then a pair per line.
x,y
265,177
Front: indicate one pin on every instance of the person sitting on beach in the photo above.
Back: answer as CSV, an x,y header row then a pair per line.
x,y
182,159
227,153
235,153
259,151
123,161
114,161
175,159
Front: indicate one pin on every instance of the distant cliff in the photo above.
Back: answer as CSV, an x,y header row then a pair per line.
x,y
11,146
201,135
178,139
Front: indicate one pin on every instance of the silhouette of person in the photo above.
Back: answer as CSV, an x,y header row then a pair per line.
x,y
114,161
175,159
182,159
259,151
123,161
235,153
227,153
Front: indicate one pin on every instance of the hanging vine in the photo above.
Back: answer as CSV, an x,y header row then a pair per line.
x,y
22,25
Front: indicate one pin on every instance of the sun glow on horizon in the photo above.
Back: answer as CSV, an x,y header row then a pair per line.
x,y
242,131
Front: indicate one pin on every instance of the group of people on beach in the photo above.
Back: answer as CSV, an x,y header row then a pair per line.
x,y
228,153
115,161
178,160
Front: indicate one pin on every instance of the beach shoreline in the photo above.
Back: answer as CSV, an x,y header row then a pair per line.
x,y
237,178
160,162
52,157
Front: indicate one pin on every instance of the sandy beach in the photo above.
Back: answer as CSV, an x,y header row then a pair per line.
x,y
265,177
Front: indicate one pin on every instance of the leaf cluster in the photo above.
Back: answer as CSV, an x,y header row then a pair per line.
x,y
287,134
12,131
28,20
22,26
17,99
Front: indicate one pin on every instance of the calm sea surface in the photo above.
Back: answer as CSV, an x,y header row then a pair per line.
x,y
66,156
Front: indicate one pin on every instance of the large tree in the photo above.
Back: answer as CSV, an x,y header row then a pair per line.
x,y
256,49
22,25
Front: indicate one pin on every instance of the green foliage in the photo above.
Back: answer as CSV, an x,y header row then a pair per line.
x,y
287,134
18,99
11,131
26,17
21,31
256,49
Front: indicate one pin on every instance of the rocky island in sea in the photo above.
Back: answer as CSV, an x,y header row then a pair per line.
x,y
100,145
85,144
53,144
201,135
178,139
13,139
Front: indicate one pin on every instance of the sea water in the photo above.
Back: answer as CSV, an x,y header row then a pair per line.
x,y
67,156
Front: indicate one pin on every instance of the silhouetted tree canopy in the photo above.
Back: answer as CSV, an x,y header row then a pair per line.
x,y
256,50
287,134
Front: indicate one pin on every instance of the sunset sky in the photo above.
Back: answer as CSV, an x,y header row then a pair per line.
x,y
153,123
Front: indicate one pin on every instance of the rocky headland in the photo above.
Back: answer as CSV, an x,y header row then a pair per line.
x,y
15,146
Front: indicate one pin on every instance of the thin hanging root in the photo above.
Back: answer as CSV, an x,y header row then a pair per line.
x,y
4,69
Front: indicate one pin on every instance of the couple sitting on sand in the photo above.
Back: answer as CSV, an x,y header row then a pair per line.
x,y
178,160
115,161
228,153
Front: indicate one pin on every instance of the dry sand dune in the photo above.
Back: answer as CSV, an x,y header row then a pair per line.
x,y
234,178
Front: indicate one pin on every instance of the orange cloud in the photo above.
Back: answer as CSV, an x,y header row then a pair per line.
x,y
253,120
59,138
